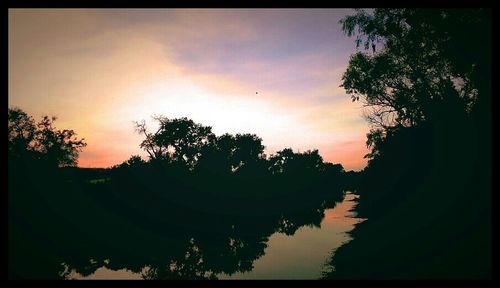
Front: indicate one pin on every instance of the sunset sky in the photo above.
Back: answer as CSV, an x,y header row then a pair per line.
x,y
272,72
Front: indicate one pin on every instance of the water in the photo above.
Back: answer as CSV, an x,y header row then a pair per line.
x,y
303,255
298,256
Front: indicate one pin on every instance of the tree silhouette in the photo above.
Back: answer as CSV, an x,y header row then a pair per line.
x,y
21,129
248,148
426,67
200,206
430,145
289,162
132,162
180,140
42,141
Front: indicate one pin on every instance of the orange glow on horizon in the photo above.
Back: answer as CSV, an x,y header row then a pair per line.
x,y
100,70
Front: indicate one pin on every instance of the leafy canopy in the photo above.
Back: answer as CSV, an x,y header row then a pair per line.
x,y
41,141
423,64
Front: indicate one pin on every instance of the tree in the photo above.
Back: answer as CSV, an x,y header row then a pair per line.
x,y
41,141
426,81
132,162
334,169
426,64
21,130
287,161
229,153
179,140
135,160
247,150
279,160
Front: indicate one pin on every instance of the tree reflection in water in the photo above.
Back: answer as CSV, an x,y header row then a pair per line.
x,y
162,234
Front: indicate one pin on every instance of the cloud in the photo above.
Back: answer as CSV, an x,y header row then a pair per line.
x,y
99,70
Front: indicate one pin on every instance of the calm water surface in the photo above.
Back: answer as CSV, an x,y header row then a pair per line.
x,y
299,256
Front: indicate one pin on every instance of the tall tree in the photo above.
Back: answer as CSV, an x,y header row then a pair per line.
x,y
423,64
426,79
180,140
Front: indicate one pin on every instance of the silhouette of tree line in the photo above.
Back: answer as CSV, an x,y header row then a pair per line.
x,y
200,205
203,204
426,191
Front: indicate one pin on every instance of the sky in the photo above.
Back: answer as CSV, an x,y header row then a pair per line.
x,y
272,72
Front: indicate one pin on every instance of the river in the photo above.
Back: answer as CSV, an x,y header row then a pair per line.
x,y
299,256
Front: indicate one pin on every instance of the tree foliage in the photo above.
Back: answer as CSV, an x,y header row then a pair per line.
x,y
287,161
424,63
180,140
41,141
427,81
183,141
